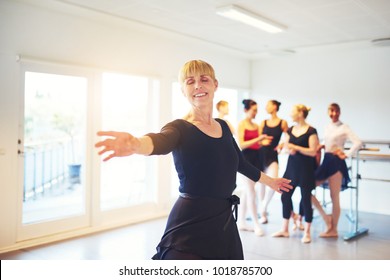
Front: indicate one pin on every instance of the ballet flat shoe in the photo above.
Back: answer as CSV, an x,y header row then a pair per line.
x,y
259,232
306,239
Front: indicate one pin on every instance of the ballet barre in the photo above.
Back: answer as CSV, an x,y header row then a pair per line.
x,y
365,154
354,211
376,142
374,157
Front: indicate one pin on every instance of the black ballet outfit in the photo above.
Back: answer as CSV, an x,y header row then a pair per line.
x,y
300,170
201,224
268,153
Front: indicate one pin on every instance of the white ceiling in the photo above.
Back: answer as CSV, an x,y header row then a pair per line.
x,y
309,22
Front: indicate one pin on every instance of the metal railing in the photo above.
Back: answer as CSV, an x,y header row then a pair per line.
x,y
44,167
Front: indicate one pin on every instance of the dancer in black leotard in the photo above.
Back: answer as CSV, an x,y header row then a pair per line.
x,y
302,143
273,127
201,224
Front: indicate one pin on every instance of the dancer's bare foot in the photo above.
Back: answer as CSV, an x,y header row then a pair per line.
x,y
295,219
306,238
259,231
330,234
300,223
329,223
281,234
263,220
245,227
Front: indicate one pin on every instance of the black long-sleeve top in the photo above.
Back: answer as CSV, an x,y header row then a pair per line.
x,y
206,166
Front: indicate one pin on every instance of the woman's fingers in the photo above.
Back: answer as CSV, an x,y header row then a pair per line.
x,y
103,151
284,189
110,156
118,144
284,185
108,133
106,144
101,144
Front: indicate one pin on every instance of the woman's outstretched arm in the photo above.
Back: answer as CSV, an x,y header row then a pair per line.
x,y
121,144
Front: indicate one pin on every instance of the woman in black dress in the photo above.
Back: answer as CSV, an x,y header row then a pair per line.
x,y
302,143
273,127
201,224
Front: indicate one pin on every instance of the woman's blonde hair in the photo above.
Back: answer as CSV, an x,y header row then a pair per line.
x,y
304,109
193,67
221,103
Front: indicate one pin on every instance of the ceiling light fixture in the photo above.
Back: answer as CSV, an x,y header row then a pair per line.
x,y
239,14
383,42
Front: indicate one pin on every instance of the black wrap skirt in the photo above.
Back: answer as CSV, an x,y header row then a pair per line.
x,y
329,166
202,226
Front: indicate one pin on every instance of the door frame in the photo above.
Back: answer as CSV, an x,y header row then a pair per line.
x,y
63,224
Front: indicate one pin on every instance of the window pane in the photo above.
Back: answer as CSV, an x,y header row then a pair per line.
x,y
125,108
54,146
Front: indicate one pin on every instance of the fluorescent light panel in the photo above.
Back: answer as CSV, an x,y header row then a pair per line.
x,y
239,14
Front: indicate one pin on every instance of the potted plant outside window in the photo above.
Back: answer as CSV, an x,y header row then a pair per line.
x,y
70,127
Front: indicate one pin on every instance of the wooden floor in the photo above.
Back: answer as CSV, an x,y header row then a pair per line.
x,y
138,242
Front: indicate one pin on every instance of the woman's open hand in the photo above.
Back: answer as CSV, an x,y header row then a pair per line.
x,y
292,149
280,185
265,140
340,153
119,144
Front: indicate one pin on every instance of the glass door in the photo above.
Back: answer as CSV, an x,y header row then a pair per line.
x,y
52,149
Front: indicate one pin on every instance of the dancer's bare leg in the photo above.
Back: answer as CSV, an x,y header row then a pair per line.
x,y
300,223
284,231
327,218
306,236
272,171
335,188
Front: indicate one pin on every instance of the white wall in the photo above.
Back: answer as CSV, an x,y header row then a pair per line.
x,y
357,76
54,31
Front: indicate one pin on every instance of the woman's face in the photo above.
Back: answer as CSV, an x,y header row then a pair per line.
x,y
252,112
224,109
334,114
270,107
199,89
295,114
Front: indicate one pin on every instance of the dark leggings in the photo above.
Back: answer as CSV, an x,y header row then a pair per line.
x,y
172,254
305,201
